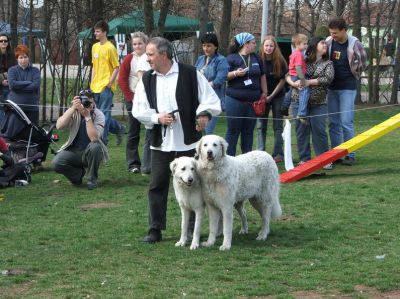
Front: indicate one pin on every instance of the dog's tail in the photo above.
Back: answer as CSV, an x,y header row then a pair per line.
x,y
276,210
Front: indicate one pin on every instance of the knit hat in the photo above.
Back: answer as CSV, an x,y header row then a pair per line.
x,y
243,38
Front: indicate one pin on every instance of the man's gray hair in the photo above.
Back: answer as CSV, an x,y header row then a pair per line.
x,y
162,46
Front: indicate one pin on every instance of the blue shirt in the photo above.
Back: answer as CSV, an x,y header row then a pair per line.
x,y
344,78
82,139
237,87
216,72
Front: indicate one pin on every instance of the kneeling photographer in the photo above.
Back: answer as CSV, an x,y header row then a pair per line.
x,y
84,148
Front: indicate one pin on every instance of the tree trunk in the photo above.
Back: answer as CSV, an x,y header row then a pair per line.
x,y
357,33
163,16
296,16
148,17
371,51
14,24
396,84
226,28
203,15
97,12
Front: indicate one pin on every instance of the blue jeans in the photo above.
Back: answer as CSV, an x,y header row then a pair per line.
x,y
341,116
316,130
103,102
241,120
277,124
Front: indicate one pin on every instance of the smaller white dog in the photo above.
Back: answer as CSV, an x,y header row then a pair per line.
x,y
188,194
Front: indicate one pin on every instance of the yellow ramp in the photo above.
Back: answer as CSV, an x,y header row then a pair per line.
x,y
371,135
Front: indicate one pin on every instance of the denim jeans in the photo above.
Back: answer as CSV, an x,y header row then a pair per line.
x,y
241,121
316,130
103,102
277,124
341,116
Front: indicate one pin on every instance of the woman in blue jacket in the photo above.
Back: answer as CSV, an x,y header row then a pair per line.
x,y
24,83
215,68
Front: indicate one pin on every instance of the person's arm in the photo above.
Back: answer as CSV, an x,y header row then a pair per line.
x,y
263,81
222,73
35,83
13,81
113,77
210,104
64,120
141,108
94,129
277,89
123,77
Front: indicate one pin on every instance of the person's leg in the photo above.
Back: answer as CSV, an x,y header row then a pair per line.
x,y
234,123
302,135
262,124
103,102
277,124
335,124
132,141
158,188
146,165
304,94
92,158
347,99
69,163
247,129
318,128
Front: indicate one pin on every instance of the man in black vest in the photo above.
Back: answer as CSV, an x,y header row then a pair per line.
x,y
175,102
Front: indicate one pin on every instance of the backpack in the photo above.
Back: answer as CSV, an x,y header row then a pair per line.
x,y
15,172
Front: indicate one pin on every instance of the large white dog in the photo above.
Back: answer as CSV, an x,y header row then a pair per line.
x,y
188,194
227,181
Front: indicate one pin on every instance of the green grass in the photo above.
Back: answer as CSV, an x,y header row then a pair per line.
x,y
333,228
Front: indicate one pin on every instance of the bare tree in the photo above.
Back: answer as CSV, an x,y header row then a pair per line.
x,y
396,36
148,17
14,24
225,29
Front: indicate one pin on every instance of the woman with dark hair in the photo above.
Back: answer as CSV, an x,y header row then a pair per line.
x,y
246,83
24,82
7,60
320,73
215,68
275,68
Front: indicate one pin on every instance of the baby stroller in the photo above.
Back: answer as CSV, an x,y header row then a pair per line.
x,y
28,143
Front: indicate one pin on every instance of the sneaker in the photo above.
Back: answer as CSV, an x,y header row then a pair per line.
x,y
328,166
134,170
92,184
300,163
120,133
79,182
278,159
348,161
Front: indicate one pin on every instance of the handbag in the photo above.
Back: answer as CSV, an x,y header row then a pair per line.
x,y
259,106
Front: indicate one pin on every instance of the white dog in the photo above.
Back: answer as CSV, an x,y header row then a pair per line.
x,y
188,194
228,181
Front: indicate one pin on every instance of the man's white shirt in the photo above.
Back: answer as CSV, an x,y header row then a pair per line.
x,y
173,139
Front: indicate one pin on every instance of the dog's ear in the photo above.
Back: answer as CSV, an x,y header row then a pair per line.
x,y
224,146
172,166
198,148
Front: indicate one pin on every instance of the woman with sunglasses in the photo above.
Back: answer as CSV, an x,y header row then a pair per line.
x,y
7,60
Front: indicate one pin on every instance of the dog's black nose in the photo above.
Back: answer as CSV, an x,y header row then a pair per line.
x,y
209,153
190,180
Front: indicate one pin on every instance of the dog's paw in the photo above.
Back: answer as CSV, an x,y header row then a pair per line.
x,y
194,246
262,236
180,243
224,247
243,231
207,244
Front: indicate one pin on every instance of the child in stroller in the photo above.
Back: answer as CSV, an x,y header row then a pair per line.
x,y
26,140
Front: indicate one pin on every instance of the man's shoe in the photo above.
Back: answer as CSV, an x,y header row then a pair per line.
x,y
278,159
120,133
328,166
153,236
92,184
349,161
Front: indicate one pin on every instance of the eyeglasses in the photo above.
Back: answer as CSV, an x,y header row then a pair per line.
x,y
3,41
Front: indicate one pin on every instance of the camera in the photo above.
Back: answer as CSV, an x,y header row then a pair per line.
x,y
85,101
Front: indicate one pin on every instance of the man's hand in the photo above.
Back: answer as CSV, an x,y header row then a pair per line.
x,y
201,123
166,119
77,105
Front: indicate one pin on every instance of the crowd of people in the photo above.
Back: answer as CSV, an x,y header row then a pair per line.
x,y
177,103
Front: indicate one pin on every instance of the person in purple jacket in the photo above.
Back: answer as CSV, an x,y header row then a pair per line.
x,y
246,83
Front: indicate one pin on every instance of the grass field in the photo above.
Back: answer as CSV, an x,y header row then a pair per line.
x,y
338,237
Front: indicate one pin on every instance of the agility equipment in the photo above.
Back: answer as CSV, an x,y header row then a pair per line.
x,y
341,150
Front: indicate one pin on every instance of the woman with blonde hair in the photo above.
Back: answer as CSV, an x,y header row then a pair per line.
x,y
275,68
